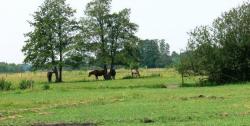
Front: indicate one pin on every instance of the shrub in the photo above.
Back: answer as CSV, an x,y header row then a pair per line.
x,y
5,85
46,87
26,84
134,65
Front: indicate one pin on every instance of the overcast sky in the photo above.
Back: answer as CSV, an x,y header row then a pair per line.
x,y
157,19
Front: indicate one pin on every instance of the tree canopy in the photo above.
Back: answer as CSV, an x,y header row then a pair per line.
x,y
98,38
51,37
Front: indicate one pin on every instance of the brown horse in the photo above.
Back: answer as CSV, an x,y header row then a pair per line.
x,y
97,73
135,72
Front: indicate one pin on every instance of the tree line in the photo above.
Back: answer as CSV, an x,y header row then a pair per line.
x,y
221,52
99,37
13,68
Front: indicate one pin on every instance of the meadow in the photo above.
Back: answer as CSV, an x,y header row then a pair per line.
x,y
155,99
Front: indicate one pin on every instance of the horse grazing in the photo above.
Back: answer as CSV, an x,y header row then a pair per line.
x,y
97,73
135,73
106,75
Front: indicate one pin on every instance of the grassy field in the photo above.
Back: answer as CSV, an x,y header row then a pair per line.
x,y
156,98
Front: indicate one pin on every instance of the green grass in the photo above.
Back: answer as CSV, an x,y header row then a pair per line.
x,y
125,102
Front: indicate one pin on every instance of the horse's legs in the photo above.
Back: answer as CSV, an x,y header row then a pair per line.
x,y
96,77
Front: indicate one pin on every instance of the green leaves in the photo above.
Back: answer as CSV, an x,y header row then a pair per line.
x,y
106,33
51,37
53,30
221,52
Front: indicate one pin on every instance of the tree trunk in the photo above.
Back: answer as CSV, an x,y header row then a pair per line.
x,y
56,74
60,67
103,50
60,64
60,73
60,53
112,59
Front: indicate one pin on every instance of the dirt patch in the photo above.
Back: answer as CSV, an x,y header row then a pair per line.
x,y
208,97
10,117
45,113
147,120
224,114
67,124
171,86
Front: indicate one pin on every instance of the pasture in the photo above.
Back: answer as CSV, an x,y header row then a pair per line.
x,y
156,99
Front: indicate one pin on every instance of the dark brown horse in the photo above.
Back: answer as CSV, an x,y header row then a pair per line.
x,y
97,73
106,75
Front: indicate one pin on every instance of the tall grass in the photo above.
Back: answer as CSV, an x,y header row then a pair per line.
x,y
82,76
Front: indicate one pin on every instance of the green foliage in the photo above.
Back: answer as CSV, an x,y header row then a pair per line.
x,y
154,53
134,66
175,59
221,52
26,84
100,37
5,85
46,87
51,37
13,68
113,33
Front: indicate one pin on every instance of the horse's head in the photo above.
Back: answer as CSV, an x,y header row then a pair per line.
x,y
90,73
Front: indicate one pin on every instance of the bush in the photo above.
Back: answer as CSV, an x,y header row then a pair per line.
x,y
134,65
46,87
26,84
5,85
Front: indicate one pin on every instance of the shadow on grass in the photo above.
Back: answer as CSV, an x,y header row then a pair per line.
x,y
67,124
101,80
125,87
142,77
211,84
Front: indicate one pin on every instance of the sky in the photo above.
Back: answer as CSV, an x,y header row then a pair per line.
x,y
157,19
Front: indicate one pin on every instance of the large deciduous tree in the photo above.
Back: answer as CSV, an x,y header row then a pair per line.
x,y
106,33
121,31
51,37
94,28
